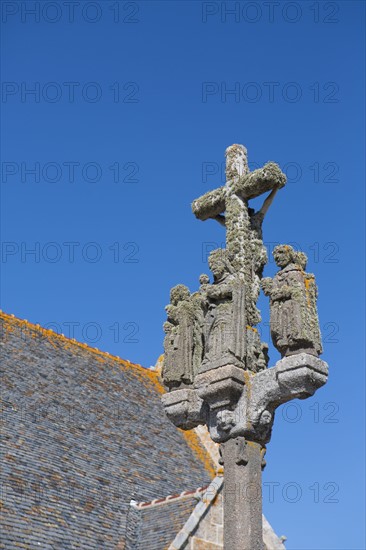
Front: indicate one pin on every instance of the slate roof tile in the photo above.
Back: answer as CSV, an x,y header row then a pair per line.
x,y
84,433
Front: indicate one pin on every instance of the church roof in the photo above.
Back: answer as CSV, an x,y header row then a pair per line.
x,y
84,434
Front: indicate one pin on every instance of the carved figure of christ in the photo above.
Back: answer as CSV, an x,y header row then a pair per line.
x,y
229,204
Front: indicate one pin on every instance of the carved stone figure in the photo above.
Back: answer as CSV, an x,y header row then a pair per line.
x,y
184,340
225,319
293,293
204,283
259,257
174,366
199,308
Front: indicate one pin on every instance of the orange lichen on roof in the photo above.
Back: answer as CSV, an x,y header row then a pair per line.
x,y
13,323
200,452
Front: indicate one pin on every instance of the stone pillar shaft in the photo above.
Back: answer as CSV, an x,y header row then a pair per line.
x,y
243,529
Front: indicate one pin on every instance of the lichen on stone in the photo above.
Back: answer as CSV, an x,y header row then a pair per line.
x,y
229,304
293,293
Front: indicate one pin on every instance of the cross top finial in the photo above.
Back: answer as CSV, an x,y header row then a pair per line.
x,y
236,161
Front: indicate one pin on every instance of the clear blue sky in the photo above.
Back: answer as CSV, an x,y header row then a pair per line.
x,y
128,123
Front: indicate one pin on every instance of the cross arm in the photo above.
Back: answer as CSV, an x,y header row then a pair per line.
x,y
259,181
210,205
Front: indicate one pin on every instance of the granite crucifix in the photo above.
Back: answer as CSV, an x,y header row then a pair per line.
x,y
215,365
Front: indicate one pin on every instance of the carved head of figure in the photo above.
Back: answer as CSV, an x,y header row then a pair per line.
x,y
301,260
204,279
225,420
284,255
219,264
179,293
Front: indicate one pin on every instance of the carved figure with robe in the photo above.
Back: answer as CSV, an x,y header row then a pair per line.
x,y
183,343
225,319
293,313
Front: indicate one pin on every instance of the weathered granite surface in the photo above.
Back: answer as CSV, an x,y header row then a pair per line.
x,y
242,494
234,403
214,356
231,390
293,293
225,318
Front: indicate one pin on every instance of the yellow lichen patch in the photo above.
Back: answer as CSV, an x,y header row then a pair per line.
x,y
31,330
252,444
308,282
248,376
193,441
252,328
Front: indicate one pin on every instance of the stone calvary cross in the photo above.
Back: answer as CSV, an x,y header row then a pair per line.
x,y
215,365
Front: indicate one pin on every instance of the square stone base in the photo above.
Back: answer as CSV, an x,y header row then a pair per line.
x,y
220,387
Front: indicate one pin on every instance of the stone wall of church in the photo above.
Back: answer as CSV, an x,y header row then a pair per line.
x,y
209,534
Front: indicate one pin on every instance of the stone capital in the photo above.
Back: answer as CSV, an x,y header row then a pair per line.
x,y
234,402
297,376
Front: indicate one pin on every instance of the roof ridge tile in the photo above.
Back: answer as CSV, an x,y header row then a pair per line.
x,y
49,333
169,498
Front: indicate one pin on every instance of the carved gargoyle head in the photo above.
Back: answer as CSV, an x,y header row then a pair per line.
x,y
225,420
